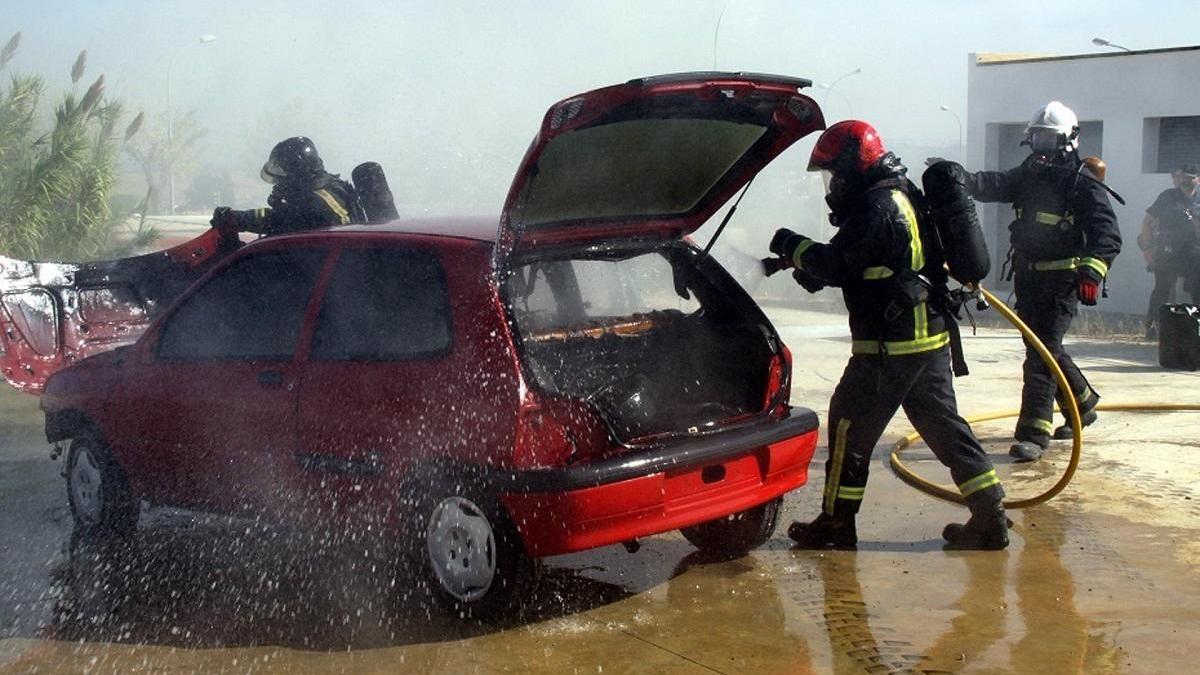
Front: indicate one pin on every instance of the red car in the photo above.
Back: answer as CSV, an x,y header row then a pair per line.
x,y
582,375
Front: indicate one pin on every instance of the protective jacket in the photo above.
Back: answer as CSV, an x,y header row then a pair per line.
x,y
1064,219
1065,228
875,258
326,200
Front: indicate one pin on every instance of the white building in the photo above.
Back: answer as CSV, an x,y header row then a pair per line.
x,y
1139,111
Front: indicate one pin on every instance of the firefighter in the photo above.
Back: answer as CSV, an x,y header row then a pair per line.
x,y
1064,240
304,195
900,355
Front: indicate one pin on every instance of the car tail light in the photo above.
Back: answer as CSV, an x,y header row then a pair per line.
x,y
778,381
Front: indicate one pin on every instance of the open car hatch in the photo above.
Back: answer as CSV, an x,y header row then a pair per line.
x,y
53,314
654,157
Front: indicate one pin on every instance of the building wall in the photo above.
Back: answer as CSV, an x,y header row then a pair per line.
x,y
1120,91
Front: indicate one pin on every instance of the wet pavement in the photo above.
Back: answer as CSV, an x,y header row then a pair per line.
x,y
1101,579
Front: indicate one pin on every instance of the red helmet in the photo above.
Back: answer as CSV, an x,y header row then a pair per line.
x,y
850,145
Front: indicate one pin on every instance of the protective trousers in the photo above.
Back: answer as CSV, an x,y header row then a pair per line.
x,y
872,388
1047,303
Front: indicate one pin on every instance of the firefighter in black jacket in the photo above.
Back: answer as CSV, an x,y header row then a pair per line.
x,y
900,354
1064,239
305,197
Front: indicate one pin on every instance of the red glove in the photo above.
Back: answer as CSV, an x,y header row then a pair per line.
x,y
1089,286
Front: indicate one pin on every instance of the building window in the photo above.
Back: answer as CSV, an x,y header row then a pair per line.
x,y
1170,142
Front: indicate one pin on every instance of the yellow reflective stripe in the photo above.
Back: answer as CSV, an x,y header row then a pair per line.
x,y
1051,265
1072,263
1052,218
835,468
920,322
851,493
901,347
1084,396
334,205
877,273
804,246
259,214
982,481
914,231
1096,264
1038,424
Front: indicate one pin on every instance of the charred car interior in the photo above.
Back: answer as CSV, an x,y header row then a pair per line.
x,y
658,341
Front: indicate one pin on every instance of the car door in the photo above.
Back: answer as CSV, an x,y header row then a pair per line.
x,y
377,384
212,401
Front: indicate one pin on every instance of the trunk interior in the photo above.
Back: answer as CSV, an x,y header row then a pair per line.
x,y
658,339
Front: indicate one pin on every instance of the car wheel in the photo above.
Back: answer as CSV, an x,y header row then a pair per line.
x,y
468,551
736,534
102,503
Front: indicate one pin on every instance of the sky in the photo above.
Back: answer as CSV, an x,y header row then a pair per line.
x,y
447,95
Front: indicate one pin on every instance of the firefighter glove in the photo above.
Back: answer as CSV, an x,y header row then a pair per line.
x,y
785,241
227,219
1089,286
809,282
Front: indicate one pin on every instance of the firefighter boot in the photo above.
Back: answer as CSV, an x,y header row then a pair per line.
x,y
826,531
1066,433
1026,451
987,530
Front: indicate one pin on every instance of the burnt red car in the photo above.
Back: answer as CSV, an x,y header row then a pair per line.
x,y
581,375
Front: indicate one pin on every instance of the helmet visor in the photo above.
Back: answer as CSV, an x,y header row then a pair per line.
x,y
1044,141
271,172
827,179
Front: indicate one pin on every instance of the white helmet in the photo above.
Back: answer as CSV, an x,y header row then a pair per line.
x,y
1053,128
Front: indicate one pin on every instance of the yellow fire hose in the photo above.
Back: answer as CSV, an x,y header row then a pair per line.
x,y
1072,413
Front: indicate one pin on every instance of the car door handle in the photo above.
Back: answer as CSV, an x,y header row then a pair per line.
x,y
270,379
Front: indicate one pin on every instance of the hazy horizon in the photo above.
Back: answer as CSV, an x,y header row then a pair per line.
x,y
448,96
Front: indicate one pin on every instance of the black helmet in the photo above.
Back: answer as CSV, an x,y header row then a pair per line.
x,y
294,158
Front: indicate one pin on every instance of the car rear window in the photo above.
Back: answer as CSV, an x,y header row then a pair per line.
x,y
383,304
251,310
560,293
634,168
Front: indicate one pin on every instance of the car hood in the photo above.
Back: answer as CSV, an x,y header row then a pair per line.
x,y
654,157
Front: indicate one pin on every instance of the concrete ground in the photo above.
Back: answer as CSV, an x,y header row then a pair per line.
x,y
1102,579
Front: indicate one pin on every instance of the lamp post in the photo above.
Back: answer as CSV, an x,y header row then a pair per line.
x,y
1101,42
717,30
961,158
830,90
829,87
204,39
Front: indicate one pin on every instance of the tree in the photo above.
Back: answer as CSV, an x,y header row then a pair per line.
x,y
159,155
55,184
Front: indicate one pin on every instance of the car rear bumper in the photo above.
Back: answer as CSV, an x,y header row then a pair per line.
x,y
665,488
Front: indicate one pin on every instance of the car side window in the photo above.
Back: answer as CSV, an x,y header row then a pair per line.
x,y
251,310
383,305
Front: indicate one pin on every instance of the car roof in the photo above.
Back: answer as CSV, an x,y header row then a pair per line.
x,y
479,228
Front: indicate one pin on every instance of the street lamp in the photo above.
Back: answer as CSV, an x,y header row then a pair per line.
x,y
961,158
1101,42
718,30
828,90
204,39
829,87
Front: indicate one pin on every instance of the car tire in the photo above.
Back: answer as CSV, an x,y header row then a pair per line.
x,y
466,550
102,502
735,535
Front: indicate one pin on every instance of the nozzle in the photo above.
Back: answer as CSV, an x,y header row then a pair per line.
x,y
773,265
